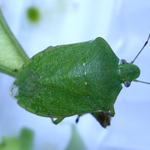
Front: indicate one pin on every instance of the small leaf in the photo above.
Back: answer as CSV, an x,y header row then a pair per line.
x,y
76,142
23,142
12,56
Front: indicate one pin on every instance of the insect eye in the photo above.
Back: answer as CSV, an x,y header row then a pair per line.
x,y
127,83
123,61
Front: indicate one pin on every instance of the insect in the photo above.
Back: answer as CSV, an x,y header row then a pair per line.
x,y
74,79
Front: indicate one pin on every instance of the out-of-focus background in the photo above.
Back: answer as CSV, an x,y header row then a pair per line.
x,y
125,25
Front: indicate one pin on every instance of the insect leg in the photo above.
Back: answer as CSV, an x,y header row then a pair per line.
x,y
112,111
57,121
78,117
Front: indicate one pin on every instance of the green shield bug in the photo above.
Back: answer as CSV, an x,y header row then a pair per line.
x,y
74,79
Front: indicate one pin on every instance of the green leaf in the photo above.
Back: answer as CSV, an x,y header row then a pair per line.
x,y
23,142
76,142
26,139
12,55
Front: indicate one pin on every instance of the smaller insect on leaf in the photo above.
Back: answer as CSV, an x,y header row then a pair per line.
x,y
16,70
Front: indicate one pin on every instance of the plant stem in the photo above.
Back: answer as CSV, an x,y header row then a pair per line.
x,y
12,55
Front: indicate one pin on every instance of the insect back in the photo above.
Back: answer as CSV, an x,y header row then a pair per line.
x,y
68,80
72,80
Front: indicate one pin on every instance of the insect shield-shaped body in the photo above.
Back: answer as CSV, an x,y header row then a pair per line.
x,y
72,79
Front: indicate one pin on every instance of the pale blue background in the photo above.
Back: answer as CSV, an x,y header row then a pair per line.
x,y
125,25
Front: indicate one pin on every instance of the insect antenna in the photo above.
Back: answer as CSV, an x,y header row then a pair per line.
x,y
141,81
141,49
137,56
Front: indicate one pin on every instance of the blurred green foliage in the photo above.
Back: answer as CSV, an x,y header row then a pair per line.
x,y
33,14
23,142
76,142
